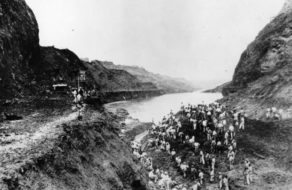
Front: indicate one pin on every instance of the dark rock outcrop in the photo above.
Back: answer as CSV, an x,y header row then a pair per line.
x,y
19,45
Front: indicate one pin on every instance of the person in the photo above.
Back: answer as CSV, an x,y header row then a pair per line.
x,y
242,124
168,147
152,176
225,183
201,176
192,140
219,147
214,134
178,161
231,129
204,123
208,160
268,113
250,171
224,122
274,110
234,144
220,182
212,175
196,186
79,99
226,135
246,162
246,171
196,144
209,135
202,158
195,125
166,180
246,176
220,127
173,153
213,145
74,92
184,167
213,162
231,156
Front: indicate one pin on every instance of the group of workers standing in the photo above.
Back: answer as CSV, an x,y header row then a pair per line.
x,y
207,131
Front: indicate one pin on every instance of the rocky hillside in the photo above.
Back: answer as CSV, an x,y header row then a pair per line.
x,y
263,75
115,79
26,69
166,83
19,45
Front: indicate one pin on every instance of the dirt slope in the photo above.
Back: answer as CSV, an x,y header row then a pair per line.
x,y
63,153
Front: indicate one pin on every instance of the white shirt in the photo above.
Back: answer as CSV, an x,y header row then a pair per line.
x,y
205,123
201,175
197,144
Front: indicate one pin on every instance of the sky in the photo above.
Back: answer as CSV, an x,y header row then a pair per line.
x,y
199,40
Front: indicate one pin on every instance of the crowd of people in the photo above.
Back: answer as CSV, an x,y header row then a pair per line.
x,y
208,131
274,113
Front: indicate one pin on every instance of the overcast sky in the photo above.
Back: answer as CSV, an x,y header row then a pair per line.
x,y
200,40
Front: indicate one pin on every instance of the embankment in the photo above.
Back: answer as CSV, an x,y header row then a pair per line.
x,y
85,154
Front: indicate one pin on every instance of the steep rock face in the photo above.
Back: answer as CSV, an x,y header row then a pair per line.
x,y
19,43
264,73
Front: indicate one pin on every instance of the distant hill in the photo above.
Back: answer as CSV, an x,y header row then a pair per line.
x,y
115,79
166,83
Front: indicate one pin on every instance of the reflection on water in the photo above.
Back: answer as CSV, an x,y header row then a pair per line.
x,y
154,109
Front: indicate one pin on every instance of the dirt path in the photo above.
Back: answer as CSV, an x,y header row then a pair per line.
x,y
141,136
18,149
